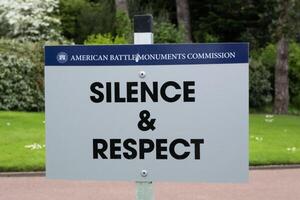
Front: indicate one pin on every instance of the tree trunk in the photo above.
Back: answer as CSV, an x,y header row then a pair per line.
x,y
281,78
121,5
183,18
281,101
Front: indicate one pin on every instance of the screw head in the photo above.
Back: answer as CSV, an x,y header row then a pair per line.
x,y
142,74
144,173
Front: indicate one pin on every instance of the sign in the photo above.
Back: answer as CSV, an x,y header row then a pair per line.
x,y
147,112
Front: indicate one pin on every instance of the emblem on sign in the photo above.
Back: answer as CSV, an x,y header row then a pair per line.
x,y
62,57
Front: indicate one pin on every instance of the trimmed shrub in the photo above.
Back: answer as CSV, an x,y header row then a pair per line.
x,y
123,26
18,87
260,86
166,32
104,39
26,60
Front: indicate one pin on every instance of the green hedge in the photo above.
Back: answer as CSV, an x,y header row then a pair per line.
x,y
105,39
259,85
166,32
21,76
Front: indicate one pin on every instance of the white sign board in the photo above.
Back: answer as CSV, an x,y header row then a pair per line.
x,y
147,112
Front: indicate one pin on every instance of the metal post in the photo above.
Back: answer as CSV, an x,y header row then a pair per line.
x,y
143,29
143,35
144,190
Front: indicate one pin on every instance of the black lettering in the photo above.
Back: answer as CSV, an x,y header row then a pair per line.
x,y
108,92
94,89
152,94
131,91
197,143
164,88
97,151
114,148
143,149
130,149
117,93
187,91
160,149
172,149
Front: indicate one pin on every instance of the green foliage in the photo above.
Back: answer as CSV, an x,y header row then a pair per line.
x,y
166,32
260,86
123,25
154,7
21,60
210,38
18,86
81,18
266,57
69,12
99,39
120,40
296,101
287,19
233,20
4,26
104,39
211,20
294,74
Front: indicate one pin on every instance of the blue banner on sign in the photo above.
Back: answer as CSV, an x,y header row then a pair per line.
x,y
154,54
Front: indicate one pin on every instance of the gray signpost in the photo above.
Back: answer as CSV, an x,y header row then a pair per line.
x,y
143,35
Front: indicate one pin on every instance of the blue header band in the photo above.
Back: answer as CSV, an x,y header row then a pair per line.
x,y
155,54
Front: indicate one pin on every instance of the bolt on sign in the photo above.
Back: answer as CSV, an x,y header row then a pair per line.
x,y
147,112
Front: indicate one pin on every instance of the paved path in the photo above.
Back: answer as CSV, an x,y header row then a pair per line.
x,y
283,184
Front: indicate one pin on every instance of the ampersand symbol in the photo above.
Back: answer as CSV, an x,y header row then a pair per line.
x,y
145,124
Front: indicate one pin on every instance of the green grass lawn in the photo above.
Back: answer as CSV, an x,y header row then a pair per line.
x,y
273,140
18,130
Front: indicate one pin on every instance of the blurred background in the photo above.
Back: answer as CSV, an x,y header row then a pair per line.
x,y
272,27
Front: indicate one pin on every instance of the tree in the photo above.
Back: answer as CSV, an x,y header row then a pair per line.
x,y
287,25
281,101
121,5
30,19
233,21
183,18
81,18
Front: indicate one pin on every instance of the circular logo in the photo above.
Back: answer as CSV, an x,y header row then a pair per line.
x,y
62,57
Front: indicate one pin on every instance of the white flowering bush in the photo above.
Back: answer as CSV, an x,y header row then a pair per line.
x,y
33,20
